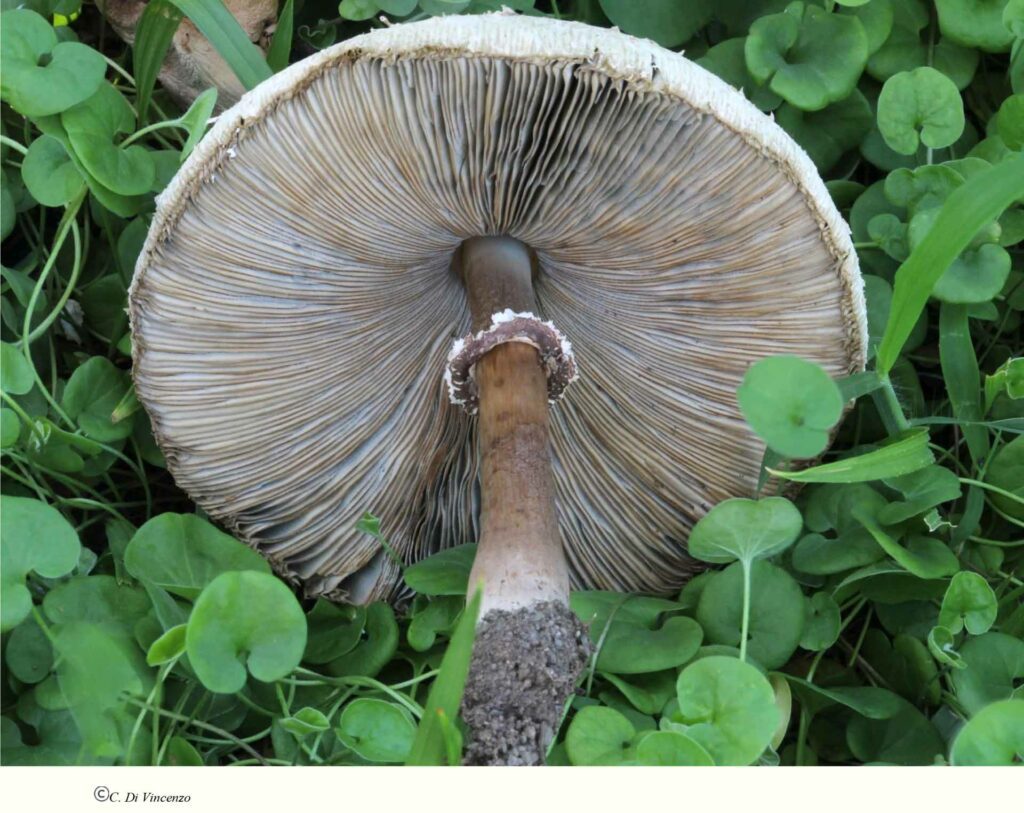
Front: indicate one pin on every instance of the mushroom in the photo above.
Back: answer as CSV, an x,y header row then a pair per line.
x,y
416,223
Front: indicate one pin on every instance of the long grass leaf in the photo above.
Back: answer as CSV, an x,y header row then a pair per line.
x,y
218,25
153,37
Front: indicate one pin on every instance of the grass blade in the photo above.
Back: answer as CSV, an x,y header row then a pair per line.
x,y
442,706
152,39
218,25
903,456
980,200
963,378
281,45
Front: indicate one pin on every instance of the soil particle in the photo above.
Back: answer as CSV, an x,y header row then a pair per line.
x,y
524,667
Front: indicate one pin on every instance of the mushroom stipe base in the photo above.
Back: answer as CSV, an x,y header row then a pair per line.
x,y
525,666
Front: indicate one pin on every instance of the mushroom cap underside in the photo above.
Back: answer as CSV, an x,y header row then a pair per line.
x,y
294,304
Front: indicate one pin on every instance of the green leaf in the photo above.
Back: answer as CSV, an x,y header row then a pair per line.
x,y
906,738
35,538
728,708
40,75
92,127
791,403
919,104
969,603
1006,471
99,600
993,666
16,374
29,655
600,736
197,117
871,702
333,631
942,644
818,555
358,10
976,276
49,173
429,746
975,23
93,391
306,721
180,752
153,36
727,61
244,619
828,133
902,455
666,748
377,730
374,649
94,670
631,649
183,553
438,616
745,530
980,200
995,736
223,31
443,574
807,55
922,489
924,556
821,624
777,612
962,376
667,22
281,45
167,647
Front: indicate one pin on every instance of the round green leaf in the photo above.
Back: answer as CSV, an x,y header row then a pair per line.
x,y
821,625
41,76
443,574
777,612
92,127
993,665
244,619
667,22
1006,471
34,537
333,631
600,736
920,105
375,649
16,376
632,649
29,655
977,275
358,9
969,602
807,55
976,23
745,529
665,748
93,391
728,708
99,600
727,61
995,736
905,738
377,730
829,133
791,403
182,553
49,173
10,428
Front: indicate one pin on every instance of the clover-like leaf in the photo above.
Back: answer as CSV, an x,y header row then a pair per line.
x,y
905,738
969,603
993,666
1006,472
921,105
35,538
807,55
995,736
791,403
377,730
438,616
375,647
727,61
821,624
334,630
244,619
977,275
92,128
876,17
600,736
728,708
666,748
778,611
16,375
976,23
41,75
742,529
49,173
182,553
99,600
827,134
443,574
93,391
631,648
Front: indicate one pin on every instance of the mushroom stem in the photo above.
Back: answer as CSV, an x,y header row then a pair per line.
x,y
530,648
519,557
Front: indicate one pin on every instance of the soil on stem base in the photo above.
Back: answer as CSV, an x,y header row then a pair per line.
x,y
525,666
